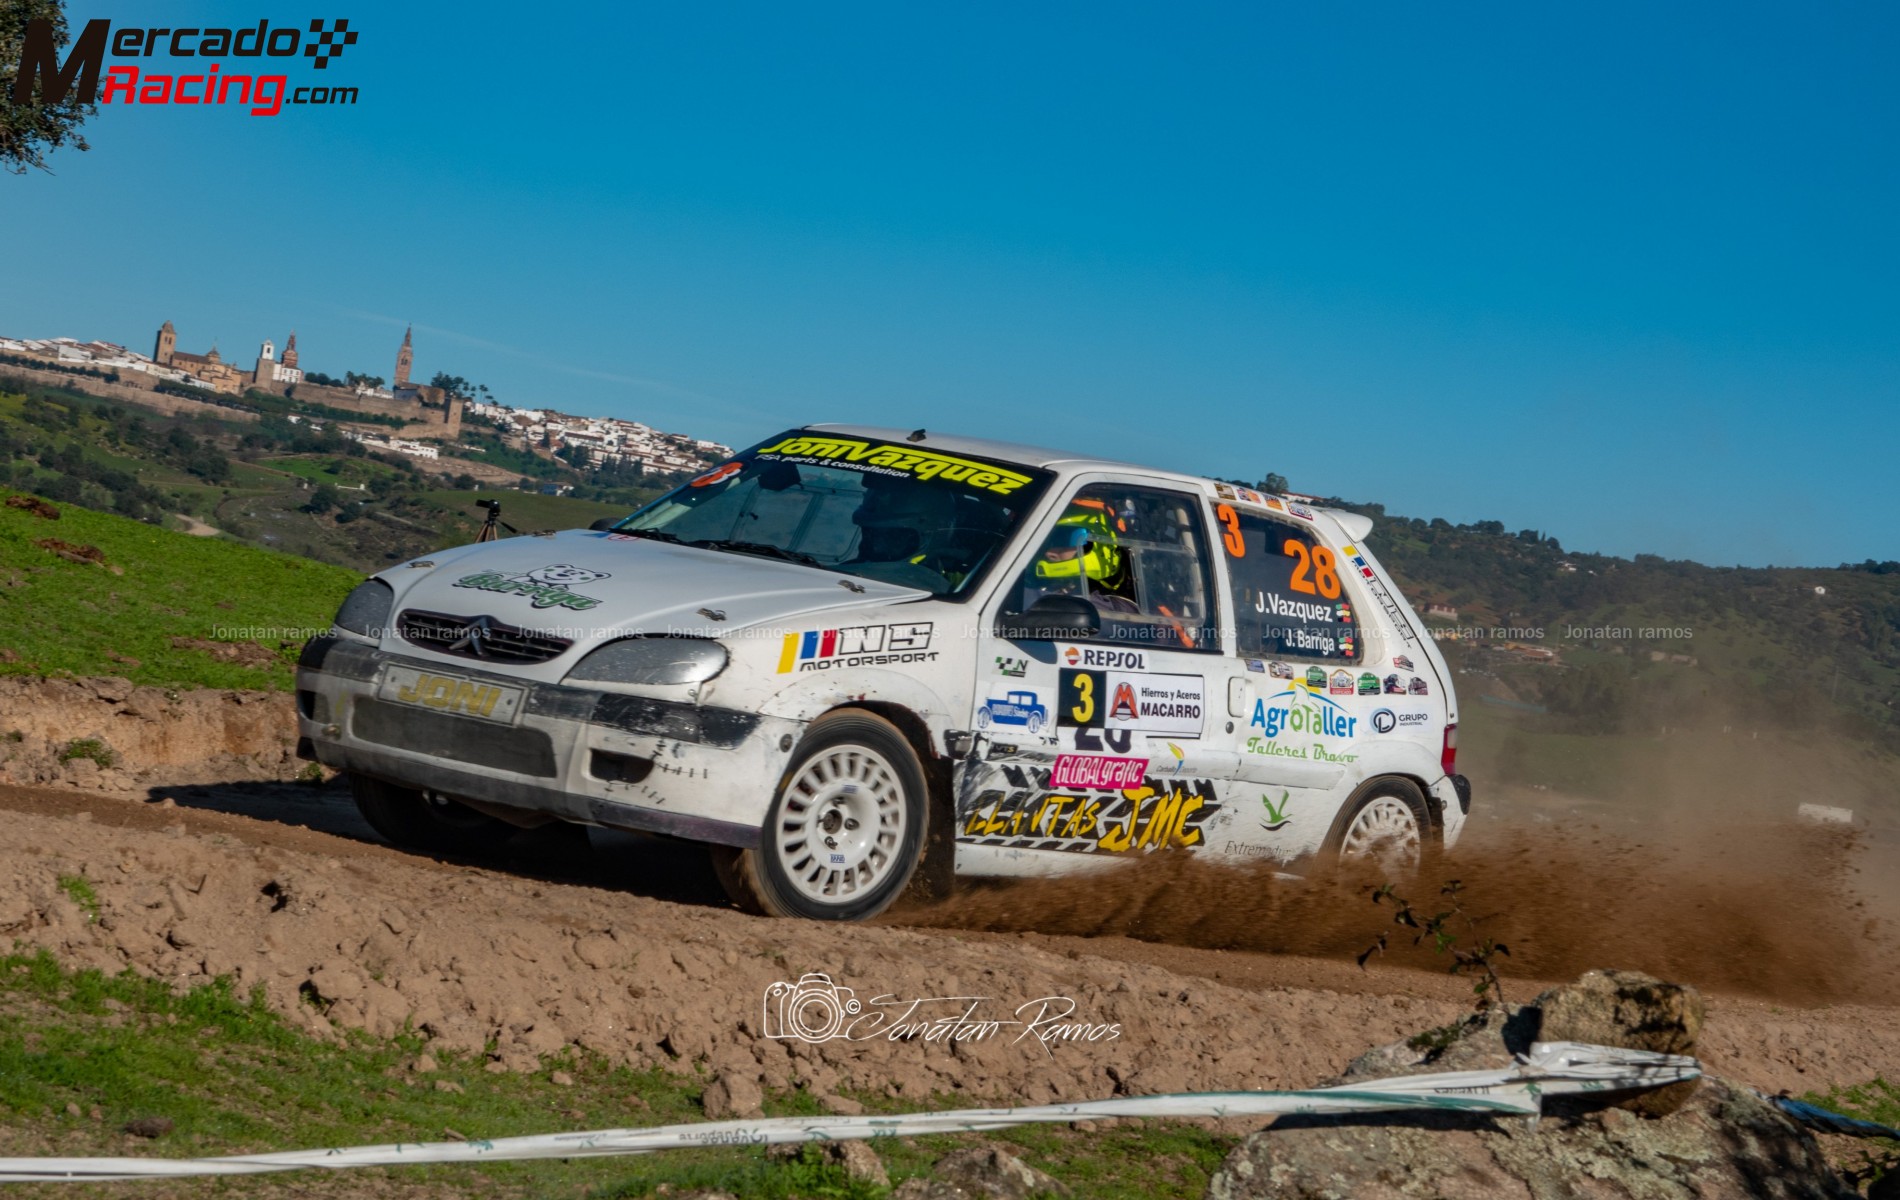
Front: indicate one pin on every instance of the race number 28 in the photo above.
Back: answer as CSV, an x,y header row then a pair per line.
x,y
1318,560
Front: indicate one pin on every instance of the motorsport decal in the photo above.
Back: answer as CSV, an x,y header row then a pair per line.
x,y
906,461
1276,813
549,587
1103,773
1012,668
1027,812
1124,701
856,646
1298,723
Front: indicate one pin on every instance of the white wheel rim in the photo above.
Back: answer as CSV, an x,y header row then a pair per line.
x,y
1385,832
840,825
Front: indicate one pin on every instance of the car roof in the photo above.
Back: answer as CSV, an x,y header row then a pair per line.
x,y
1353,525
1016,452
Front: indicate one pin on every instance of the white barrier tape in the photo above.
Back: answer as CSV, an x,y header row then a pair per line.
x,y
1553,1068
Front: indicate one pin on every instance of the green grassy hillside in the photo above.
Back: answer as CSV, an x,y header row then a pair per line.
x,y
114,602
273,483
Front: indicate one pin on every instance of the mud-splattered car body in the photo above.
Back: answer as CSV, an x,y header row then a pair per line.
x,y
1090,659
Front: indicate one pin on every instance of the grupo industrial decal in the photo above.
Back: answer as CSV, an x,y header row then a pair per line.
x,y
243,66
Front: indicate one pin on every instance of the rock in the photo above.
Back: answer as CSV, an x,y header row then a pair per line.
x,y
980,1173
733,1093
859,1161
1712,1140
856,1157
1627,1008
597,952
149,1127
1724,1142
561,1079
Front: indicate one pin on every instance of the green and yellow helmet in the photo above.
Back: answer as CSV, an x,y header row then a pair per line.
x,y
1085,541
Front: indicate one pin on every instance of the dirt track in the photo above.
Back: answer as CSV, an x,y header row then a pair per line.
x,y
628,949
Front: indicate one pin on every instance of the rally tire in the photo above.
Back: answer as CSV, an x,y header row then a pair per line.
x,y
1385,822
429,825
854,791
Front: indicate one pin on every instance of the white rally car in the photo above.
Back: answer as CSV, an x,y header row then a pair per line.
x,y
850,651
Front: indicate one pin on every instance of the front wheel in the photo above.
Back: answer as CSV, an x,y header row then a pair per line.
x,y
414,820
1384,823
845,831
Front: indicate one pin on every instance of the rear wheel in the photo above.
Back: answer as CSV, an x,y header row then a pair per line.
x,y
424,821
845,831
1383,824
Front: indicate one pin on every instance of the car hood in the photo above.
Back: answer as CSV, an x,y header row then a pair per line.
x,y
599,585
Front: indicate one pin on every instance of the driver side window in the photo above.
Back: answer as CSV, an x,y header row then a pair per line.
x,y
1139,556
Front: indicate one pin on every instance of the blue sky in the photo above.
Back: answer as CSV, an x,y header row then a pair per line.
x,y
1624,273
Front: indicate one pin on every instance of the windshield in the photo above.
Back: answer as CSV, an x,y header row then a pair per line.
x,y
898,513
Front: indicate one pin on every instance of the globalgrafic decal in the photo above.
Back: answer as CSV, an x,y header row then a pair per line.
x,y
551,586
1097,771
856,646
906,461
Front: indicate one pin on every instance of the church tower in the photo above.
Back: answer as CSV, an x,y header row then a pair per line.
x,y
290,352
404,357
167,345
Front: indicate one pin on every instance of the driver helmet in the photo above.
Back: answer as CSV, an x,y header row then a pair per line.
x,y
1083,542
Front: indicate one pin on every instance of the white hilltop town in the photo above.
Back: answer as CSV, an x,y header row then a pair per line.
x,y
439,419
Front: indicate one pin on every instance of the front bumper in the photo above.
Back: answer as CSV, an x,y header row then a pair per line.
x,y
596,758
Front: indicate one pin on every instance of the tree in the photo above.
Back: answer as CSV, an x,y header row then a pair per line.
x,y
29,130
455,385
322,500
1274,482
355,380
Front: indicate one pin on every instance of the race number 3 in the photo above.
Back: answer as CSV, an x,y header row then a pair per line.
x,y
1080,699
1230,531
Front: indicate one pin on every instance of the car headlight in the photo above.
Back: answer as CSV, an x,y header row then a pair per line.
x,y
652,660
366,609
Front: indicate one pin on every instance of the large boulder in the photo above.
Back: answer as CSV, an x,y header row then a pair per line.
x,y
1704,1140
